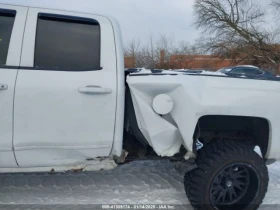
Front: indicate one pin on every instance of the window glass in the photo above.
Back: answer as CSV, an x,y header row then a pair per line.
x,y
247,71
67,43
253,71
7,19
238,71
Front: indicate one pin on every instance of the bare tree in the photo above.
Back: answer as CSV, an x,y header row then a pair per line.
x,y
184,55
149,55
235,29
132,48
132,51
276,5
165,48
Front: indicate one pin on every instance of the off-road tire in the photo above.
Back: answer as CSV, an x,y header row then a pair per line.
x,y
211,160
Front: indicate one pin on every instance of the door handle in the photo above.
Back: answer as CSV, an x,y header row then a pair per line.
x,y
3,87
93,89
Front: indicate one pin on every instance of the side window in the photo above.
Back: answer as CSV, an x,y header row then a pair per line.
x,y
238,71
253,71
247,71
67,43
7,19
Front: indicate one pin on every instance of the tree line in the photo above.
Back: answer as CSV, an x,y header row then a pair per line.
x,y
240,30
157,52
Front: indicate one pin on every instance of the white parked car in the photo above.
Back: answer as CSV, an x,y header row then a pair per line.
x,y
66,103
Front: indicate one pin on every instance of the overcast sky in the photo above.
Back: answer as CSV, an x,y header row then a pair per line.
x,y
138,18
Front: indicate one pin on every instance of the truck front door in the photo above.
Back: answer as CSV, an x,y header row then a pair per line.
x,y
65,98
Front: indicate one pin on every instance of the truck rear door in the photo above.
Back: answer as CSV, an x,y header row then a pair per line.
x,y
12,21
65,97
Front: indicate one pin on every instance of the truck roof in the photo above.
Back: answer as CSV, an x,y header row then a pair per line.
x,y
112,19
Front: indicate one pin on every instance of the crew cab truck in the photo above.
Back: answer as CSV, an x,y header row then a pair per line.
x,y
66,103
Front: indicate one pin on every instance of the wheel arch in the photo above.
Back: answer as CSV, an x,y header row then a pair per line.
x,y
255,129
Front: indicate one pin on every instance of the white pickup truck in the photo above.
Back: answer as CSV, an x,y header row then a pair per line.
x,y
67,103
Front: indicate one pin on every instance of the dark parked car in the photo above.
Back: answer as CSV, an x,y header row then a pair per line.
x,y
245,71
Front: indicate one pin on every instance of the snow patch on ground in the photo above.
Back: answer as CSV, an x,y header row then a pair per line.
x,y
140,182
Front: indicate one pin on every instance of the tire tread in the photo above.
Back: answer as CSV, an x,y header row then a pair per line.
x,y
215,153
